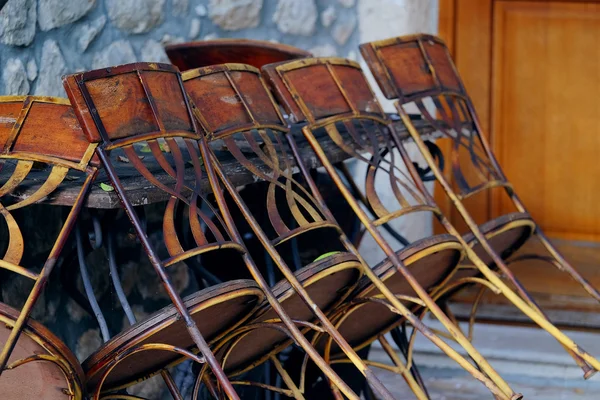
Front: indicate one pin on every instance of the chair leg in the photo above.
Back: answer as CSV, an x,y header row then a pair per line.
x,y
527,306
535,315
564,265
406,373
287,379
492,381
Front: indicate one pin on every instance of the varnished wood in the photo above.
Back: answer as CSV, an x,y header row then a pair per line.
x,y
504,36
524,47
38,379
215,310
534,44
326,281
220,51
363,322
40,132
469,40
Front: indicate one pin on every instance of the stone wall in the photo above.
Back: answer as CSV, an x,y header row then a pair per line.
x,y
40,40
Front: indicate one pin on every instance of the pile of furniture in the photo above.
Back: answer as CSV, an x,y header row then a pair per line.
x,y
287,306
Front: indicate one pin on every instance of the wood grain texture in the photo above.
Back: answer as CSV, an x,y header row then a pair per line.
x,y
215,310
36,380
546,79
220,51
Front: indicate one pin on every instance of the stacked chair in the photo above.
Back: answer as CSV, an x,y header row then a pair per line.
x,y
284,302
417,71
157,113
34,363
404,280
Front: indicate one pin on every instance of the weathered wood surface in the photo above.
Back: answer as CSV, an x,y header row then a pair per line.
x,y
141,192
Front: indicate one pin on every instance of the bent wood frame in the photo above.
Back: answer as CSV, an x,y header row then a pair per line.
x,y
250,119
370,110
88,114
432,74
220,51
64,149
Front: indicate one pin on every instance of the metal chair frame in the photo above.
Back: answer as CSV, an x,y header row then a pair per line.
x,y
76,86
370,111
459,122
321,217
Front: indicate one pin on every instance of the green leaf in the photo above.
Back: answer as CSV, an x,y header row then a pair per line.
x,y
106,187
145,149
323,256
164,147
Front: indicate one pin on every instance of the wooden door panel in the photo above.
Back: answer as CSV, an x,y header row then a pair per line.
x,y
546,112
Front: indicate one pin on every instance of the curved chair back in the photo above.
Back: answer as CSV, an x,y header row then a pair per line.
x,y
221,51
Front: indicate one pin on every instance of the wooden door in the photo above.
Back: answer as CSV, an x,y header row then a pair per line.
x,y
533,71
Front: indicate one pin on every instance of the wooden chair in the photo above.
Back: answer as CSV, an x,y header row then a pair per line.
x,y
239,117
419,72
220,51
40,145
140,112
332,96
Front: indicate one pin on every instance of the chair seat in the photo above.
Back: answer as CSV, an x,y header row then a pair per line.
x,y
327,281
506,235
216,310
429,260
40,379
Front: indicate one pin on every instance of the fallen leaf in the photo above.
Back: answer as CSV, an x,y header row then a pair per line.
x,y
323,256
106,187
164,147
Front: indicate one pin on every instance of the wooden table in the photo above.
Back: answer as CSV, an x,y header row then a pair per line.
x,y
141,192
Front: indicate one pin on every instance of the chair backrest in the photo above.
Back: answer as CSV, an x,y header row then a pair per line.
x,y
419,72
313,89
141,112
221,51
40,144
234,106
333,96
42,149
